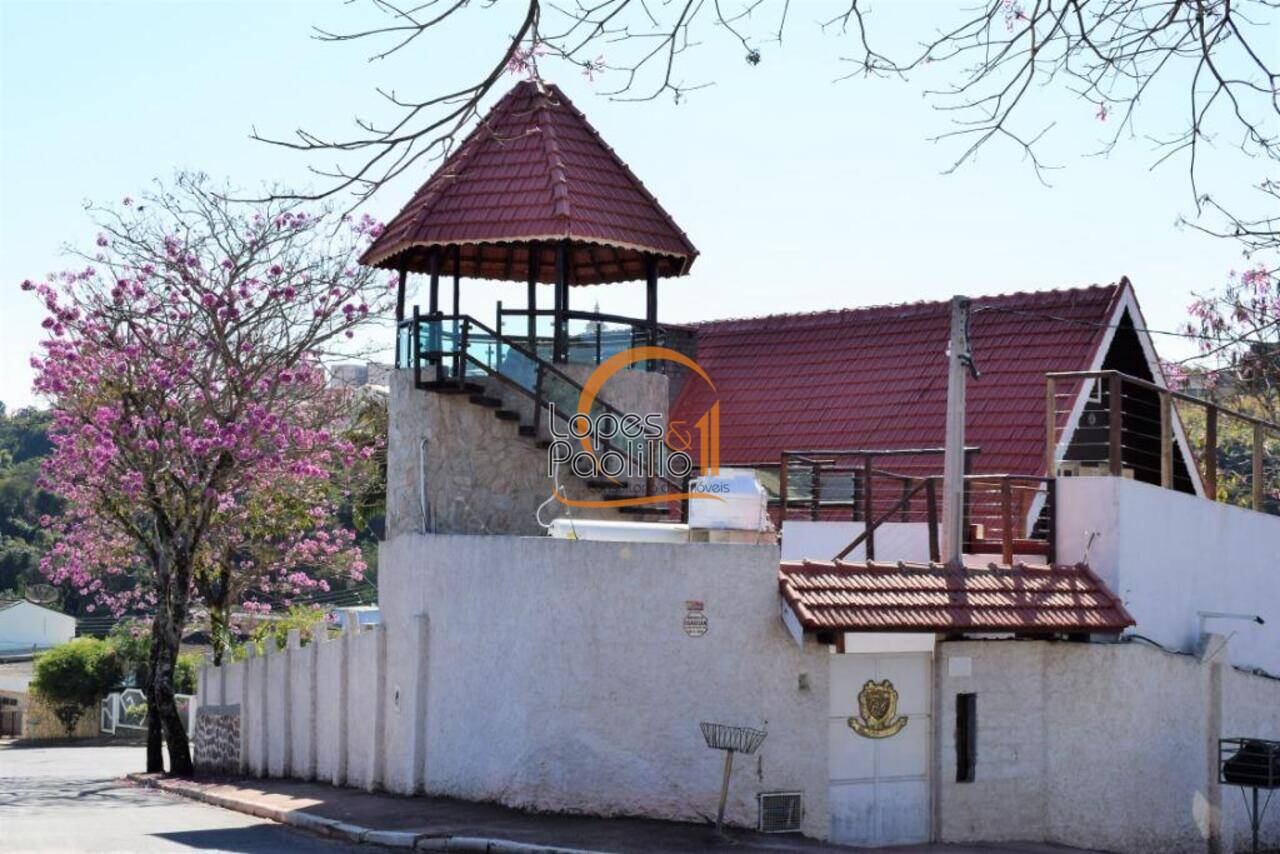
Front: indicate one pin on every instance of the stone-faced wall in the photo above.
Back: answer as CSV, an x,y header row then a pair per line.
x,y
217,742
482,477
40,723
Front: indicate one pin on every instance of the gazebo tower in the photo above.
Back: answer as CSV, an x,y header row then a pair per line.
x,y
532,195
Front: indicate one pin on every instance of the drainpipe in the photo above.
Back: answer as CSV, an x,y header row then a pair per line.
x,y
422,487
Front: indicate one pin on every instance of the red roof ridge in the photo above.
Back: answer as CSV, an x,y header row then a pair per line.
x,y
912,305
551,146
640,185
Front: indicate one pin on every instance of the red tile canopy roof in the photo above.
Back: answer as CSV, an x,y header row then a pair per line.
x,y
876,378
534,170
913,597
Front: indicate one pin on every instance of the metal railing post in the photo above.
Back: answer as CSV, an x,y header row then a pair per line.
x,y
1259,447
460,354
931,510
1166,440
1115,425
416,331
1211,452
782,488
538,402
815,489
868,509
1006,521
1051,513
1050,426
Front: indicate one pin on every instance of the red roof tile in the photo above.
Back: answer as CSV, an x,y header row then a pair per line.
x,y
839,596
534,169
876,378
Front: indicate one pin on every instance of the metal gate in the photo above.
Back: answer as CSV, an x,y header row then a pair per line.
x,y
878,748
127,711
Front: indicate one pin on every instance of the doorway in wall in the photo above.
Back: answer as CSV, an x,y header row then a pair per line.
x,y
878,742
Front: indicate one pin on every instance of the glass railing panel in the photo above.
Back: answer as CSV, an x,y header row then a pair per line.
x,y
404,346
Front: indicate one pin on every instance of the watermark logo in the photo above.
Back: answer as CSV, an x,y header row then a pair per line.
x,y
599,441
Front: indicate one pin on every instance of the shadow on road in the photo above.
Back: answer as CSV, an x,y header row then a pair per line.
x,y
266,838
40,792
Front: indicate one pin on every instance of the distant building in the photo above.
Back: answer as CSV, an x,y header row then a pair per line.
x,y
25,626
355,375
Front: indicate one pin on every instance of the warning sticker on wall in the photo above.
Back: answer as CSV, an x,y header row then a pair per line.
x,y
695,618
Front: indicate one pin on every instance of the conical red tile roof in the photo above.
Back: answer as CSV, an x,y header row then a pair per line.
x,y
534,170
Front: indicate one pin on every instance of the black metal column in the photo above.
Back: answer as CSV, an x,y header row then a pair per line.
x,y
535,266
404,275
433,308
457,280
651,297
560,346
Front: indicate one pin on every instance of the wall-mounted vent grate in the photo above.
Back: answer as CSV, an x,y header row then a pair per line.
x,y
780,812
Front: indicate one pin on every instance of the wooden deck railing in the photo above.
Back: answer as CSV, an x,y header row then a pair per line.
x,y
1129,427
1006,515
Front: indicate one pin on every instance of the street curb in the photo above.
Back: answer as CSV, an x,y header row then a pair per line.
x,y
347,832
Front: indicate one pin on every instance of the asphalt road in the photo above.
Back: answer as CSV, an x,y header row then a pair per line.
x,y
72,799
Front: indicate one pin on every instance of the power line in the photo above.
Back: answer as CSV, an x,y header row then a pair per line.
x,y
1195,336
1223,343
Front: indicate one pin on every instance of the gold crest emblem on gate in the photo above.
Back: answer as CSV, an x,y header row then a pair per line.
x,y
877,711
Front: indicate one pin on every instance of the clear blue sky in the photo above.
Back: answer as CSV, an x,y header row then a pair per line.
x,y
801,193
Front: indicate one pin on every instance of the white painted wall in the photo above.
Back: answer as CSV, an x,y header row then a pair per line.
x,y
559,677
313,712
802,540
1101,746
25,624
555,674
1169,555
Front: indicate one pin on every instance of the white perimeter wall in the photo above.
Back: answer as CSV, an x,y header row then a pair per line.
x,y
1169,555
556,674
314,712
549,674
1110,747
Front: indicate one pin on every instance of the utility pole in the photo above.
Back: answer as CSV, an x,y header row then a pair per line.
x,y
959,362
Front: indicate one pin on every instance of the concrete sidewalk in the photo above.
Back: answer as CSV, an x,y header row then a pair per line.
x,y
444,824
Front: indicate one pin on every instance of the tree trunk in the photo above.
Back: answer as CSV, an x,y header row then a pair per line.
x,y
173,580
166,633
219,629
155,736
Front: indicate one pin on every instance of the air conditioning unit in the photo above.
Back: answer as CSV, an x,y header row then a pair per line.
x,y
780,812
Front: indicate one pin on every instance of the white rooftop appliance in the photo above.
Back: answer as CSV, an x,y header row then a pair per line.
x,y
738,503
617,531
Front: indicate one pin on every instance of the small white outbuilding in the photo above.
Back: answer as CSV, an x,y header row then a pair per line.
x,y
24,625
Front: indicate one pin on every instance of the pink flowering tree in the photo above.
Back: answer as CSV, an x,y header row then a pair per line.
x,y
1238,329
182,362
286,537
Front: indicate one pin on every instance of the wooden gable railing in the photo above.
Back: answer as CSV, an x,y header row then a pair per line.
x,y
1129,427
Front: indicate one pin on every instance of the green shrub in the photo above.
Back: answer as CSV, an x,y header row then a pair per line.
x,y
186,673
131,639
74,677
